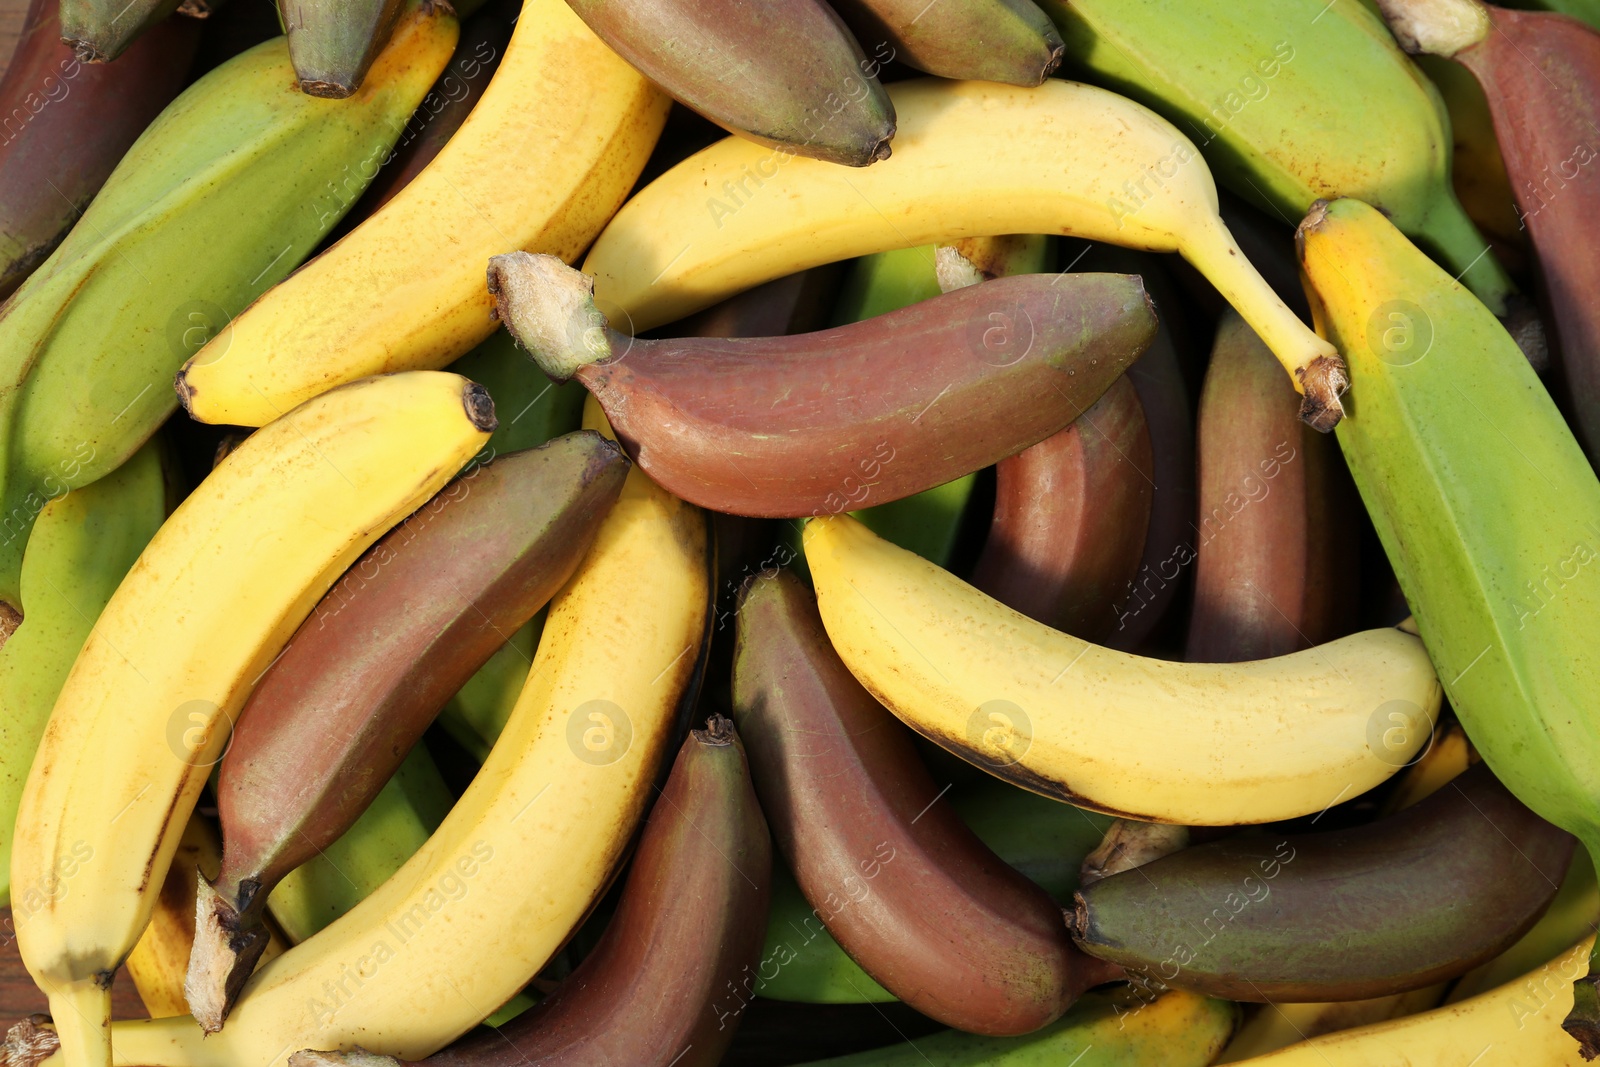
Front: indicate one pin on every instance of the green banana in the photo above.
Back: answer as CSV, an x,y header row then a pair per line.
x,y
532,410
1044,839
1102,1030
221,197
99,30
1584,10
84,543
1486,507
1291,101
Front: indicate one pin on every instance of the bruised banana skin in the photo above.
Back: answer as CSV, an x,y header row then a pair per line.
x,y
544,159
332,42
1009,41
788,76
1423,896
341,708
81,121
143,715
948,394
217,200
1489,535
654,991
1239,743
972,159
1274,534
942,922
581,752
1541,75
1268,98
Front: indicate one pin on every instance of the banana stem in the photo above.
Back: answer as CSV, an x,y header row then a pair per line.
x,y
1314,365
81,1012
1449,235
1583,1021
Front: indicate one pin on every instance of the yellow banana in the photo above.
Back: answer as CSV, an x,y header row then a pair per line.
x,y
1205,744
970,159
1515,1025
528,848
541,163
146,709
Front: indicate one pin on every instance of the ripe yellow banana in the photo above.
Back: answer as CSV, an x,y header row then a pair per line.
x,y
1206,744
541,163
528,848
146,709
970,159
1515,1025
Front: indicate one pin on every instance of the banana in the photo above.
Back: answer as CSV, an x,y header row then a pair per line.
x,y
158,962
211,600
1191,743
82,546
972,158
668,982
333,42
1512,1025
1397,905
1587,11
100,30
1102,1030
991,40
530,846
798,303
1268,93
544,159
219,198
1477,168
1540,73
1570,915
788,76
900,882
902,403
331,719
67,125
1485,505
1447,756
1275,538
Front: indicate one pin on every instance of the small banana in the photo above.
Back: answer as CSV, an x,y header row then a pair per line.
x,y
1191,743
971,159
214,596
541,163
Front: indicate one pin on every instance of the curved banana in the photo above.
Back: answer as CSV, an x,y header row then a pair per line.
x,y
970,159
145,711
542,162
531,844
1194,743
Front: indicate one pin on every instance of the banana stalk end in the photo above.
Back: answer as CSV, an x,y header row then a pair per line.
x,y
1583,1021
550,310
1436,27
227,944
29,1042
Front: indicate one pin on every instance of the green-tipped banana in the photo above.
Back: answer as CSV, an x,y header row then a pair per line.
x,y
83,544
1487,508
223,195
1291,101
333,42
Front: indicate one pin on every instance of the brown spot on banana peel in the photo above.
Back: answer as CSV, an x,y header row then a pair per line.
x,y
866,413
909,891
1374,910
666,982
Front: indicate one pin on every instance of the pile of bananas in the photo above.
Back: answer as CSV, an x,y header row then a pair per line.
x,y
620,591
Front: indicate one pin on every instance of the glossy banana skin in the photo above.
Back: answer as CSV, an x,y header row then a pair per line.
x,y
199,217
911,893
101,30
1070,518
1275,535
791,426
1541,74
409,623
991,40
333,42
67,123
1424,895
788,75
667,982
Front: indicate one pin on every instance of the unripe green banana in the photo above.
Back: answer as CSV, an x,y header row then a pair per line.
x,y
1485,505
223,195
83,544
1291,101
